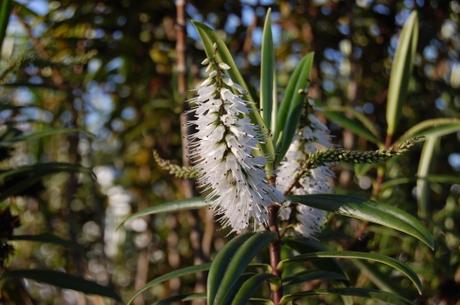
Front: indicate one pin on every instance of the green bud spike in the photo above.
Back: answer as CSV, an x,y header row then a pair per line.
x,y
183,172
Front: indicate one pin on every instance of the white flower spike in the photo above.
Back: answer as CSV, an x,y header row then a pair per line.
x,y
311,138
223,150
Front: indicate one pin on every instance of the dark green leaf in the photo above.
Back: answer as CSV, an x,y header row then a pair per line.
x,y
383,296
63,280
371,211
360,255
291,106
220,263
309,275
168,276
250,287
5,11
243,256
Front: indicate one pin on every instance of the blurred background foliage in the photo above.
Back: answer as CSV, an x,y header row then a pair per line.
x,y
109,68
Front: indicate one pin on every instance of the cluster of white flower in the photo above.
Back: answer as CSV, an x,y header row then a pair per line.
x,y
224,152
311,138
230,166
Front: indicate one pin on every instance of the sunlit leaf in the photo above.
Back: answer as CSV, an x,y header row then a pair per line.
x,y
168,207
424,165
401,72
371,211
432,128
268,75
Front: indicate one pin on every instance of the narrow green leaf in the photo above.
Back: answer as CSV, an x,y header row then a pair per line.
x,y
44,133
386,297
424,166
432,128
250,287
357,124
168,207
401,71
309,275
46,238
375,257
168,276
448,179
291,107
209,37
368,210
62,280
381,280
243,256
220,263
304,245
181,298
267,74
5,11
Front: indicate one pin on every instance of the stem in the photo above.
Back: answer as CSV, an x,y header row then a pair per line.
x,y
274,251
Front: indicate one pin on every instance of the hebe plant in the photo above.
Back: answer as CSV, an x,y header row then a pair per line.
x,y
266,172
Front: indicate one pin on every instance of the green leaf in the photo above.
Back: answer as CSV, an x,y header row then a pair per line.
x,y
250,287
371,211
424,166
209,37
381,280
220,263
304,245
401,71
168,276
47,238
168,207
5,11
291,106
268,75
309,275
44,133
448,179
383,296
432,128
181,298
243,256
62,280
358,123
395,264
28,175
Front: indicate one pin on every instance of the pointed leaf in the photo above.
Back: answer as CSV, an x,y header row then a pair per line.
x,y
168,276
5,11
401,71
168,207
267,74
424,165
291,106
371,211
309,275
250,287
181,298
220,263
395,264
243,256
63,280
386,297
432,128
47,238
358,124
